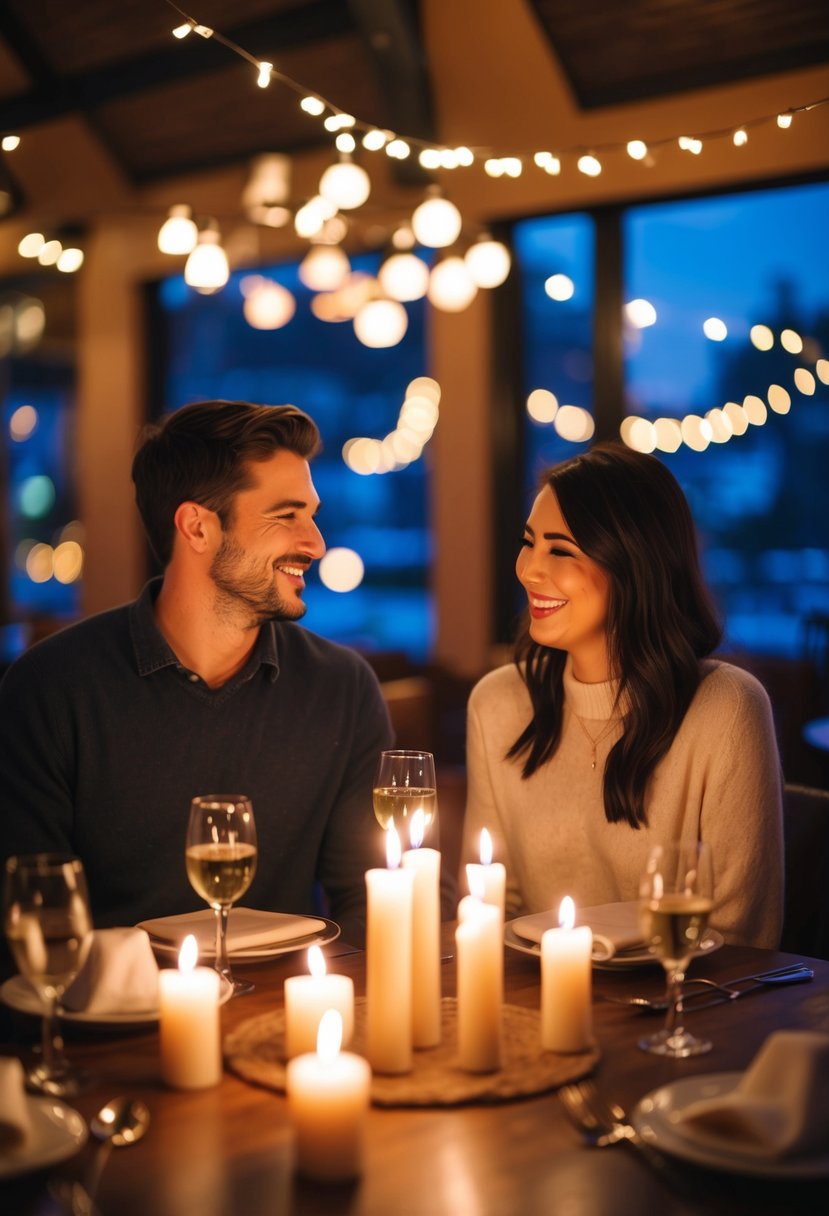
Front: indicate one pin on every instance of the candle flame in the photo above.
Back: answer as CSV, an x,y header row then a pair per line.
x,y
188,955
486,848
567,913
316,962
393,853
417,828
329,1036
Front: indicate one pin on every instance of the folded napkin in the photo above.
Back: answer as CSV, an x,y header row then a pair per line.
x,y
247,929
120,975
780,1108
615,927
14,1114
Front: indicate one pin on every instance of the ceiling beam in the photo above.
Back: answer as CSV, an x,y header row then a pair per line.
x,y
390,32
54,96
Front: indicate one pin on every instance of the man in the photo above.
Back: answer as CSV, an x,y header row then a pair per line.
x,y
204,685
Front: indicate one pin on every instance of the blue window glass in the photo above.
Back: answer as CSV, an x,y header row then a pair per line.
x,y
554,255
720,267
351,391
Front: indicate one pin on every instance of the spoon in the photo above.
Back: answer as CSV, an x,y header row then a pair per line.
x,y
123,1121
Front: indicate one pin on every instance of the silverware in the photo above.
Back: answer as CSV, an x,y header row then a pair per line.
x,y
794,973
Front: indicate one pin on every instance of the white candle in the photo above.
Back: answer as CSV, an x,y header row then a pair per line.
x,y
389,963
189,1025
328,1097
566,1011
480,950
490,877
425,936
306,999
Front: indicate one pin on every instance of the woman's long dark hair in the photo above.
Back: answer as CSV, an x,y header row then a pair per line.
x,y
627,512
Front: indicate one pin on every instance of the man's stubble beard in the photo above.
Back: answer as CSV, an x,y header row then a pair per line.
x,y
252,592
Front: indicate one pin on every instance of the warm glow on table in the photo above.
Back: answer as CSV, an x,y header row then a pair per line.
x,y
189,1027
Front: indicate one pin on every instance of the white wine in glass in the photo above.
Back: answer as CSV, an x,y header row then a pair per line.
x,y
220,855
404,785
49,929
675,902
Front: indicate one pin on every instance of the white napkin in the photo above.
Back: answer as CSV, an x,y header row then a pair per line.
x,y
615,927
119,976
247,929
14,1115
779,1109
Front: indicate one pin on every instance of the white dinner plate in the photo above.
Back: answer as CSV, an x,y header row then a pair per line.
x,y
629,958
57,1131
18,994
170,950
655,1119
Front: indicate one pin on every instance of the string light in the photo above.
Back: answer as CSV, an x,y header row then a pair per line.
x,y
265,71
399,146
10,142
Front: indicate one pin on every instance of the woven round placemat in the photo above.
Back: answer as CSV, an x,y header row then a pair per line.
x,y
255,1051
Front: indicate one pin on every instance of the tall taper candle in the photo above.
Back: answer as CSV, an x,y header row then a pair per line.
x,y
425,936
480,951
389,963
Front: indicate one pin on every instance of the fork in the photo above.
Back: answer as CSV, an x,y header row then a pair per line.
x,y
604,1123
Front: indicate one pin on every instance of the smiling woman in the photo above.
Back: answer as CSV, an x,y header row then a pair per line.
x,y
615,731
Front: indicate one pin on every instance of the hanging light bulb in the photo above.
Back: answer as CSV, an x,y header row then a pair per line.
x,y
436,222
451,286
178,233
311,216
381,323
345,184
206,268
488,262
404,276
324,268
268,305
269,182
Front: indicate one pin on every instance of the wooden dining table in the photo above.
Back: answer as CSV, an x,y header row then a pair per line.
x,y
228,1150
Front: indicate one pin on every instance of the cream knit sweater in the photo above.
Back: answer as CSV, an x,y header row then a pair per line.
x,y
720,782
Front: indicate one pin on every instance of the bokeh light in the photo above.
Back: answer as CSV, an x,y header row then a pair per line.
x,y
542,405
341,570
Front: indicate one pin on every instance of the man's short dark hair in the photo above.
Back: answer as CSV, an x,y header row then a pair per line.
x,y
202,453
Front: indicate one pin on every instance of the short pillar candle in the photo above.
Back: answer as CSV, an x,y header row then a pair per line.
x,y
488,879
566,984
306,999
328,1096
480,972
189,1022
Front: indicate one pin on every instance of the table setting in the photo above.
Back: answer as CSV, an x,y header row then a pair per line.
x,y
512,1055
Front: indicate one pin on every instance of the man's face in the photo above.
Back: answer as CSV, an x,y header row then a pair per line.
x,y
270,542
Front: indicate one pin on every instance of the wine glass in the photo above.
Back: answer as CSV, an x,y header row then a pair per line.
x,y
221,861
49,929
675,901
404,785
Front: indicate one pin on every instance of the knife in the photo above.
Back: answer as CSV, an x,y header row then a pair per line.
x,y
795,973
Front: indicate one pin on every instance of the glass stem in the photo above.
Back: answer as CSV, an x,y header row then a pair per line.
x,y
673,1021
222,962
51,1042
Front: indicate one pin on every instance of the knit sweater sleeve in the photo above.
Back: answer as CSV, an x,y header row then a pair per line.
x,y
741,807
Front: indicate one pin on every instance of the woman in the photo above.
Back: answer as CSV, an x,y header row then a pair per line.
x,y
614,731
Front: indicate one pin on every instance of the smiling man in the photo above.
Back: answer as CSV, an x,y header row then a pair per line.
x,y
205,684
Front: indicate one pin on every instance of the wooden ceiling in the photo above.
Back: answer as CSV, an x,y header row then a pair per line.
x,y
113,106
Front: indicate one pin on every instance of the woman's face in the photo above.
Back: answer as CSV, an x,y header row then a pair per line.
x,y
567,591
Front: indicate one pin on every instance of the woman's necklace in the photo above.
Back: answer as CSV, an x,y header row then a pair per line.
x,y
594,743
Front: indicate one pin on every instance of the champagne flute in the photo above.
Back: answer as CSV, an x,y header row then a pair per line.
x,y
675,901
49,929
404,785
221,861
